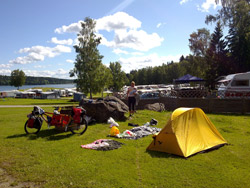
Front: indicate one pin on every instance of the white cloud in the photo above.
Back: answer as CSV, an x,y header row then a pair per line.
x,y
183,1
117,21
39,66
60,73
151,60
69,61
137,53
5,65
5,72
207,5
137,40
119,51
104,41
126,32
63,42
38,53
32,57
72,28
61,49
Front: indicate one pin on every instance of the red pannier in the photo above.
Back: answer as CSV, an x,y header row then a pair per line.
x,y
65,120
35,122
77,115
60,120
56,120
31,122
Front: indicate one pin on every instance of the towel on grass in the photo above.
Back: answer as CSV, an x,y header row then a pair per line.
x,y
138,132
103,145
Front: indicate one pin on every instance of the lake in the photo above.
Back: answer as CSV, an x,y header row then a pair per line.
x,y
8,88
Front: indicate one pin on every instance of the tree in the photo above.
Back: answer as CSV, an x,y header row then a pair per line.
x,y
194,65
173,72
182,58
105,77
88,59
17,78
235,14
239,36
132,76
119,76
216,57
199,42
4,80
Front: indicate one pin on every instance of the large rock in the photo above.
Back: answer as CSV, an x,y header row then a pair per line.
x,y
159,107
101,110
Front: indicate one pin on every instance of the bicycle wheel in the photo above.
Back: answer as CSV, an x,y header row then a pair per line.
x,y
78,128
29,130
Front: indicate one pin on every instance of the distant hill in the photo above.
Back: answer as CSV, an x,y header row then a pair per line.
x,y
5,80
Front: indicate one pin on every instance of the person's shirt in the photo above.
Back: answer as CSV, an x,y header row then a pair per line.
x,y
131,91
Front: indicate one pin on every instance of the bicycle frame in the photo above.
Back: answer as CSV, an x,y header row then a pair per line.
x,y
73,118
57,120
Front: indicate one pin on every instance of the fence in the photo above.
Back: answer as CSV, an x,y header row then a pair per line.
x,y
192,93
189,93
208,105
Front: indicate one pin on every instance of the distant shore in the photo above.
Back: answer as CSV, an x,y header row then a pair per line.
x,y
60,86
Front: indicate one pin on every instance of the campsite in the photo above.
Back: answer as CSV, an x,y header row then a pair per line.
x,y
56,159
125,94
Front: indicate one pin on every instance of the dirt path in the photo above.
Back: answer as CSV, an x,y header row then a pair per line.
x,y
30,106
7,181
15,106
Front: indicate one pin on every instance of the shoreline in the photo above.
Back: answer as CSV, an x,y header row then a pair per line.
x,y
4,88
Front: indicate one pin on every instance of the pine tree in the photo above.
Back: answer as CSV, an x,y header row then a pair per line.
x,y
216,57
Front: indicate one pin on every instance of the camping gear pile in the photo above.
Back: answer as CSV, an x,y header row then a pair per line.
x,y
189,131
102,109
138,132
134,133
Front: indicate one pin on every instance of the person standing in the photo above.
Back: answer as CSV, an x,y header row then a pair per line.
x,y
131,93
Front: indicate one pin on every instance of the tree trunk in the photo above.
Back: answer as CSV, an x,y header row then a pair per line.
x,y
90,93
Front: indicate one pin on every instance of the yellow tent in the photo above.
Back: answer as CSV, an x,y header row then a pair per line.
x,y
189,131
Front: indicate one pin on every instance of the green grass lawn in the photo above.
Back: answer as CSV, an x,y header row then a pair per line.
x,y
55,159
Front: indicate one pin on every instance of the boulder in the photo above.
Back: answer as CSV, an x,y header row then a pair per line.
x,y
159,107
102,109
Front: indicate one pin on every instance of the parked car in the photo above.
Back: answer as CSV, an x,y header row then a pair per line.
x,y
152,95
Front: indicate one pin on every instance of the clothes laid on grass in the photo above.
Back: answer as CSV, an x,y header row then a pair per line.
x,y
138,132
133,125
103,145
112,122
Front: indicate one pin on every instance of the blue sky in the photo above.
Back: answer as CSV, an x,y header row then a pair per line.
x,y
38,36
